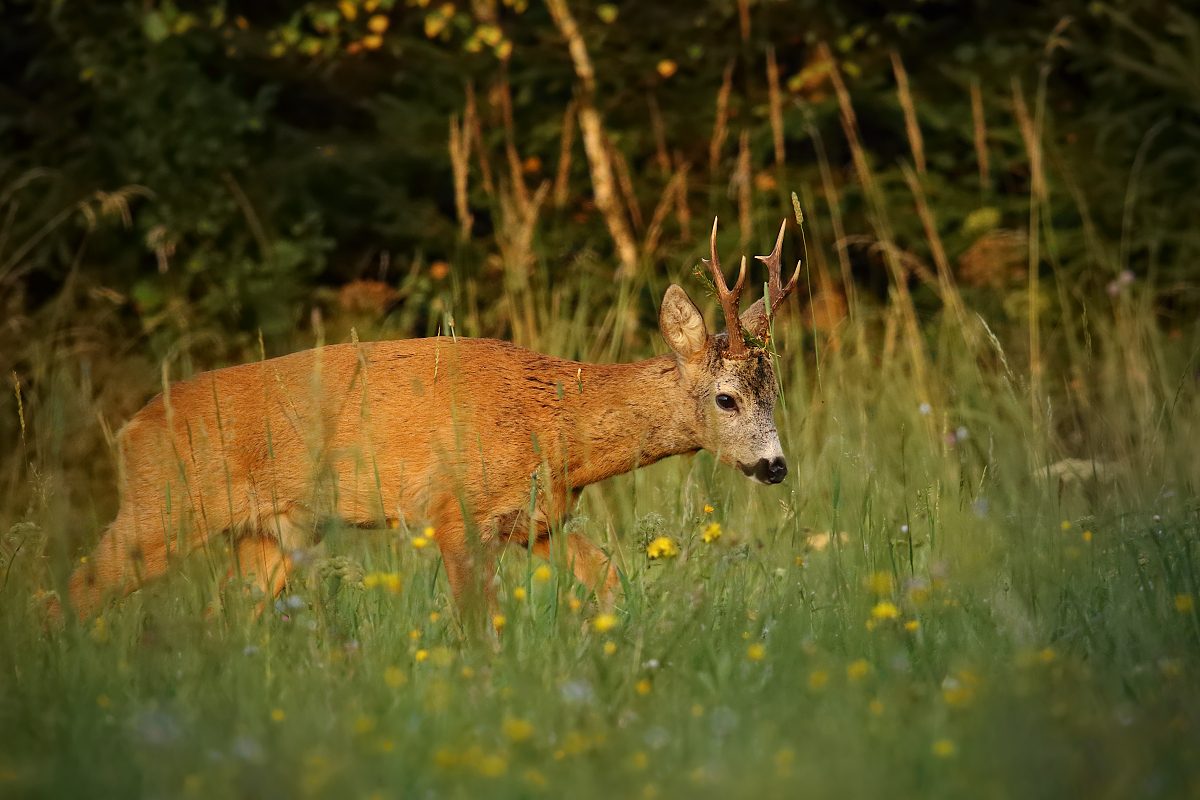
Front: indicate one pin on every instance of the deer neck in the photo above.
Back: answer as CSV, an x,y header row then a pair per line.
x,y
628,416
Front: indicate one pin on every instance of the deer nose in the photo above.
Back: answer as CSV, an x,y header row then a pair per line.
x,y
768,470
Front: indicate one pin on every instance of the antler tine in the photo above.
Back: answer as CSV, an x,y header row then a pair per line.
x,y
776,291
729,298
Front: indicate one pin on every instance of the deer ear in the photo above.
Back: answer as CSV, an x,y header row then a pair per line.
x,y
681,324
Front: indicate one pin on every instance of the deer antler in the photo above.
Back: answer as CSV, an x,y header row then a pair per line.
x,y
757,319
729,299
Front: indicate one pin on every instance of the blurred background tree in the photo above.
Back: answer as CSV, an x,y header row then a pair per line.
x,y
260,157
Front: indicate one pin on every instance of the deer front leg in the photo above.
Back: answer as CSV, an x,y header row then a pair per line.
x,y
591,565
470,568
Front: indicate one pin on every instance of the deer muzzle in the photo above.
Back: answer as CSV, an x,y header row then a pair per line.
x,y
772,470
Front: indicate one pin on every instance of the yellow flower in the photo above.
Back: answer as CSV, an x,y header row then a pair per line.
x,y
662,547
363,724
911,625
535,777
278,715
445,758
372,41
708,509
879,583
391,582
348,9
943,748
370,580
756,652
419,542
414,634
639,760
1087,536
857,669
377,23
394,677
885,610
422,655
386,745
433,616
519,593
498,622
610,648
667,68
1184,603
643,686
712,533
604,623
468,673
575,604
517,729
542,573
1066,526
575,743
817,679
103,701
1046,655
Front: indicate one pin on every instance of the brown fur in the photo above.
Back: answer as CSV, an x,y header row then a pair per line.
x,y
425,431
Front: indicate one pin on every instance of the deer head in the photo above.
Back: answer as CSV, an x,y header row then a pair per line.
x,y
730,382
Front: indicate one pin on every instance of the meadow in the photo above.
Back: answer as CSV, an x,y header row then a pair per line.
x,y
928,606
979,577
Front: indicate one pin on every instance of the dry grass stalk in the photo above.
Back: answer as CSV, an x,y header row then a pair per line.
x,y
475,131
775,98
981,148
625,181
913,128
460,160
833,201
562,180
1037,193
945,278
828,308
593,140
683,213
720,127
670,196
744,18
660,136
516,246
903,298
745,198
520,191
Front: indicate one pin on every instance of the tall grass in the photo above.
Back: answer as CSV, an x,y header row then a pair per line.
x,y
963,587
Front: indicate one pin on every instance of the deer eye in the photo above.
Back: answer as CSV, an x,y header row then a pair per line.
x,y
726,402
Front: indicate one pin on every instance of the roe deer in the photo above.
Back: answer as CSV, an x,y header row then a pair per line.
x,y
450,432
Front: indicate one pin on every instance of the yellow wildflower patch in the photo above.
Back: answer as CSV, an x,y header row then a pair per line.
x,y
519,593
711,533
662,547
885,610
756,652
604,623
542,573
643,686
857,669
517,729
610,648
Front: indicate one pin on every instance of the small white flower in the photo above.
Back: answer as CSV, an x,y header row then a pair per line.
x,y
925,408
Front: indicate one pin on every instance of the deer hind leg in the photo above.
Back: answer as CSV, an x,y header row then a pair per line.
x,y
591,565
133,550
